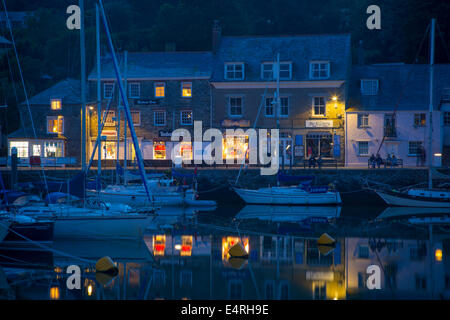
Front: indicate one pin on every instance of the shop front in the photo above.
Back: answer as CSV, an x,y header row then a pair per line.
x,y
47,151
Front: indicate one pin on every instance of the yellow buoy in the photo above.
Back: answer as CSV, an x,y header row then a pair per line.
x,y
237,262
324,250
238,250
326,240
105,264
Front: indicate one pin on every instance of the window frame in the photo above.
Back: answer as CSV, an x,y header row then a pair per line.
x,y
360,123
55,100
139,115
113,122
130,84
234,64
360,154
154,118
281,107
181,118
314,107
373,90
189,83
273,108
105,84
446,119
311,69
161,84
229,106
57,118
272,71
409,148
418,116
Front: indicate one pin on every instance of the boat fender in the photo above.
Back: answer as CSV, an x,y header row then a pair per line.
x,y
238,251
326,240
106,265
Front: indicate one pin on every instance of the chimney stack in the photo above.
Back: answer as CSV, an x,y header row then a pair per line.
x,y
360,53
216,34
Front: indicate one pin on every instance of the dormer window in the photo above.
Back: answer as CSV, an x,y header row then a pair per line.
x,y
319,69
268,69
234,71
369,87
55,104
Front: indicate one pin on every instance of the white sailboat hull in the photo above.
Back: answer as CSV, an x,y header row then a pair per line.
x,y
393,200
101,227
287,196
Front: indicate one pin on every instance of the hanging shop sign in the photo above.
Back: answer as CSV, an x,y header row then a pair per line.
x,y
319,123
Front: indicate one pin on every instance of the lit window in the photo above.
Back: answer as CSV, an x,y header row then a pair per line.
x,y
234,71
235,147
36,150
369,87
109,150
110,118
53,149
136,117
108,89
235,106
21,146
55,104
159,150
186,89
363,148
319,70
186,117
159,245
414,148
186,150
159,118
159,90
319,106
363,120
419,120
55,124
447,119
134,90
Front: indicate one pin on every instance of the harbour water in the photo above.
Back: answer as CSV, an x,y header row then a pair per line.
x,y
183,255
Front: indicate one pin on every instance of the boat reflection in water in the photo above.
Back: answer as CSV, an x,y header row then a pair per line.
x,y
287,213
181,257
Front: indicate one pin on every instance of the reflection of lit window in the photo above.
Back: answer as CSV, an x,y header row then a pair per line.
x,y
21,146
186,246
54,293
55,104
159,245
228,242
186,89
55,124
159,150
234,147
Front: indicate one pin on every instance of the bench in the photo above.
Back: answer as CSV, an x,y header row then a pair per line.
x,y
386,163
325,163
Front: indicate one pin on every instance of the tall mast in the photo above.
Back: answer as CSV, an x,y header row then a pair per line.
x,y
119,107
277,105
126,106
99,93
83,88
125,122
430,121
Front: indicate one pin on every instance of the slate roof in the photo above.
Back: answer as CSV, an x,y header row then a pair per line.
x,y
407,82
68,90
159,65
299,50
28,133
